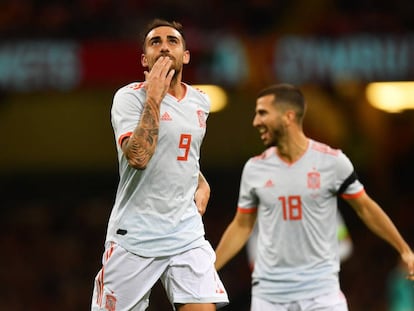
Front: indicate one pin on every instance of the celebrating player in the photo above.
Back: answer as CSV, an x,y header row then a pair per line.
x,y
155,230
292,189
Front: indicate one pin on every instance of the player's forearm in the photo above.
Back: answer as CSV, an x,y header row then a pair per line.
x,y
232,241
202,194
389,233
379,223
140,147
203,184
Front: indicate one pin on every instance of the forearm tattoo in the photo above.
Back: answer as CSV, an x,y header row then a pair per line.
x,y
143,141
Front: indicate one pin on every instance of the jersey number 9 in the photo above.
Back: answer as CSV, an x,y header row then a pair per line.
x,y
185,143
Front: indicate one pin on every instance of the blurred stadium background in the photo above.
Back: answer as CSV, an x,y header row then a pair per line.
x,y
62,61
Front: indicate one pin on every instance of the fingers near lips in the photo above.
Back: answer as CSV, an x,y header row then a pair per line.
x,y
162,65
167,66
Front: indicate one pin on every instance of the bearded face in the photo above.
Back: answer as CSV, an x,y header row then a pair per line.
x,y
269,121
165,41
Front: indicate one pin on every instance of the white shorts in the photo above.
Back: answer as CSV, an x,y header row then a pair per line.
x,y
327,302
125,280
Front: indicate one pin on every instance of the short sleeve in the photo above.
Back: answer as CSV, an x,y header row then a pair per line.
x,y
126,111
247,198
347,182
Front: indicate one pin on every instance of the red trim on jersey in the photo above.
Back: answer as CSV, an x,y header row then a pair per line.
x,y
248,210
353,195
200,90
137,86
184,95
100,286
101,275
324,148
265,154
122,137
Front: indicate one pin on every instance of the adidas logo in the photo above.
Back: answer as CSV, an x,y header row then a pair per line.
x,y
269,184
166,117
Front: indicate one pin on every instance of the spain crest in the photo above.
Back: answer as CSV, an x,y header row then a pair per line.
x,y
314,180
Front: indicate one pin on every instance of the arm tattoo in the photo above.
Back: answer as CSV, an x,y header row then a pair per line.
x,y
142,143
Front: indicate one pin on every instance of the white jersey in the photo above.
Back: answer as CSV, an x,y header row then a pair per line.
x,y
297,250
154,213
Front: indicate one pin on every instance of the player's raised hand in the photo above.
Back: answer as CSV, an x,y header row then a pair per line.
x,y
408,259
158,79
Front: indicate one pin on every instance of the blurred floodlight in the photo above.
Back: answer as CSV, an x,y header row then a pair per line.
x,y
217,94
391,96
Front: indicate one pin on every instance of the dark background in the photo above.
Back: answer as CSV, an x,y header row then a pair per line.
x,y
58,170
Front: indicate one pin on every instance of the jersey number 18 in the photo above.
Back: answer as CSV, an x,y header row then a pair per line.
x,y
291,207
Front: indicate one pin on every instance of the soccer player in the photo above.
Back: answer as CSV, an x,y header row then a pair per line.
x,y
155,231
292,189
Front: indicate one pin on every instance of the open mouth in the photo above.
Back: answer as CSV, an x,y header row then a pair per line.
x,y
263,132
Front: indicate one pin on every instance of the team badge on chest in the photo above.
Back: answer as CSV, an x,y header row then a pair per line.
x,y
314,180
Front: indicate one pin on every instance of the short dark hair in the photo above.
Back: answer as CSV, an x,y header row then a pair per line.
x,y
288,94
158,22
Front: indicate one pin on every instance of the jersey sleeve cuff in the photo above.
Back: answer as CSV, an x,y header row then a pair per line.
x,y
122,137
353,195
247,210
